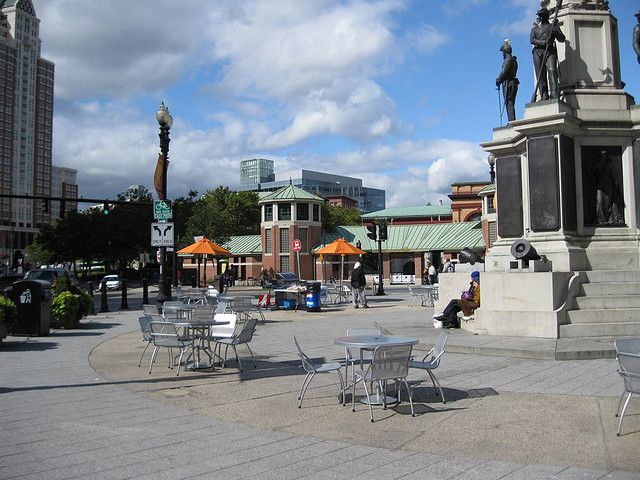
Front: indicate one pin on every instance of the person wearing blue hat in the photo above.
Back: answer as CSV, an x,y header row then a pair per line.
x,y
467,303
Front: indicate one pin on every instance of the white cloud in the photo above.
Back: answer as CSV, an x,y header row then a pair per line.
x,y
427,39
118,48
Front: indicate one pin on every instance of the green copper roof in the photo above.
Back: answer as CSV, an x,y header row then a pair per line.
x,y
415,238
491,188
410,212
244,245
290,192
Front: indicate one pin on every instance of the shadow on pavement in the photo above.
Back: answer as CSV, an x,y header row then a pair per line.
x,y
26,345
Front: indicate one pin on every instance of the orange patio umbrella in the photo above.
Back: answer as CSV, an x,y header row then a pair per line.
x,y
205,247
341,247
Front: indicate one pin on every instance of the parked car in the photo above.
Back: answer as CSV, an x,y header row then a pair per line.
x,y
48,274
112,282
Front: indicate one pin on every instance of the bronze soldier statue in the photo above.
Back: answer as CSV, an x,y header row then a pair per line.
x,y
636,37
507,78
545,58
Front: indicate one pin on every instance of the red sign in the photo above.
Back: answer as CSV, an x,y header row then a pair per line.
x,y
296,245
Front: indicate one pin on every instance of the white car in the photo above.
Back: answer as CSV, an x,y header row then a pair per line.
x,y
112,282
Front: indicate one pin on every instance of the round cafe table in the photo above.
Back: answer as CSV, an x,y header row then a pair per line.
x,y
370,342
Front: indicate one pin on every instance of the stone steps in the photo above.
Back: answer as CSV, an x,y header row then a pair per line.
x,y
610,288
609,329
608,304
594,302
602,315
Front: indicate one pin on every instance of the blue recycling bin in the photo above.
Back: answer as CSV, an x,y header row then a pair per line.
x,y
313,296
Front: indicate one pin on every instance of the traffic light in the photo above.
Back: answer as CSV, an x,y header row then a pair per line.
x,y
45,206
105,208
383,231
62,208
372,232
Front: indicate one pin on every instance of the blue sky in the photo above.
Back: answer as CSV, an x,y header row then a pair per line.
x,y
397,92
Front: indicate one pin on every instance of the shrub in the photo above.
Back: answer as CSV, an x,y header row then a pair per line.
x,y
8,314
64,310
64,284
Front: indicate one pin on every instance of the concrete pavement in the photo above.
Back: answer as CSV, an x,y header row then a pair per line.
x,y
75,405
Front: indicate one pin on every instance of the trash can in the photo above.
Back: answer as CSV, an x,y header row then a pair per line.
x,y
33,302
313,296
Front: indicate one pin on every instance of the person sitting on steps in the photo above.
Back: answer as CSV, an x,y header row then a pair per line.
x,y
467,304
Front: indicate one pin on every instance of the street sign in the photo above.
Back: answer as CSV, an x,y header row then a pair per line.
x,y
162,210
296,245
162,234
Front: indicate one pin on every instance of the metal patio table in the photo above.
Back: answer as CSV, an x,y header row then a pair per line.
x,y
370,342
198,331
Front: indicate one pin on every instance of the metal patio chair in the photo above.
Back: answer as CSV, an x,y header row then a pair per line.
x,y
242,335
312,369
352,355
165,335
414,296
431,361
628,355
389,362
145,328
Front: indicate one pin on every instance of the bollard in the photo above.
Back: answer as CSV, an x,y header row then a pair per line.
x,y
104,307
167,288
90,292
123,302
145,291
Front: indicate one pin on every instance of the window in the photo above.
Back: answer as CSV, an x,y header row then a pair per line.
x,y
284,240
268,213
284,211
302,211
302,235
284,263
316,213
267,241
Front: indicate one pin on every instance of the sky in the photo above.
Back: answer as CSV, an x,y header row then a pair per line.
x,y
397,92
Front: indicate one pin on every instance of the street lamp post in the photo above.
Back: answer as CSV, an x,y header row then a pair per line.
x,y
165,120
491,160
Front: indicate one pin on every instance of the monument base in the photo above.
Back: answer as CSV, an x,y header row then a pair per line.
x,y
513,303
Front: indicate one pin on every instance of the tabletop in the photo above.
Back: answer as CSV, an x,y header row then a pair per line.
x,y
201,323
369,341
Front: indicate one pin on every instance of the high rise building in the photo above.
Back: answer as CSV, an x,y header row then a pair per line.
x,y
326,185
256,170
26,117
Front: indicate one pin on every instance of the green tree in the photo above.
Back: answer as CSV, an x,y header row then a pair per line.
x,y
221,213
137,193
182,212
334,215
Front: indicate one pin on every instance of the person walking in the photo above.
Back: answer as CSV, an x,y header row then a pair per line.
x,y
433,274
358,285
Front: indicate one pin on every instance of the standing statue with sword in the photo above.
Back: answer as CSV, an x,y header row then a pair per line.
x,y
545,58
507,78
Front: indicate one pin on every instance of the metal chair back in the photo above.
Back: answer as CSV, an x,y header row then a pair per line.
x,y
247,329
165,334
390,362
150,309
307,364
145,327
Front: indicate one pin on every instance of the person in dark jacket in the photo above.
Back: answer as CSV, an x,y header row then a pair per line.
x,y
358,284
